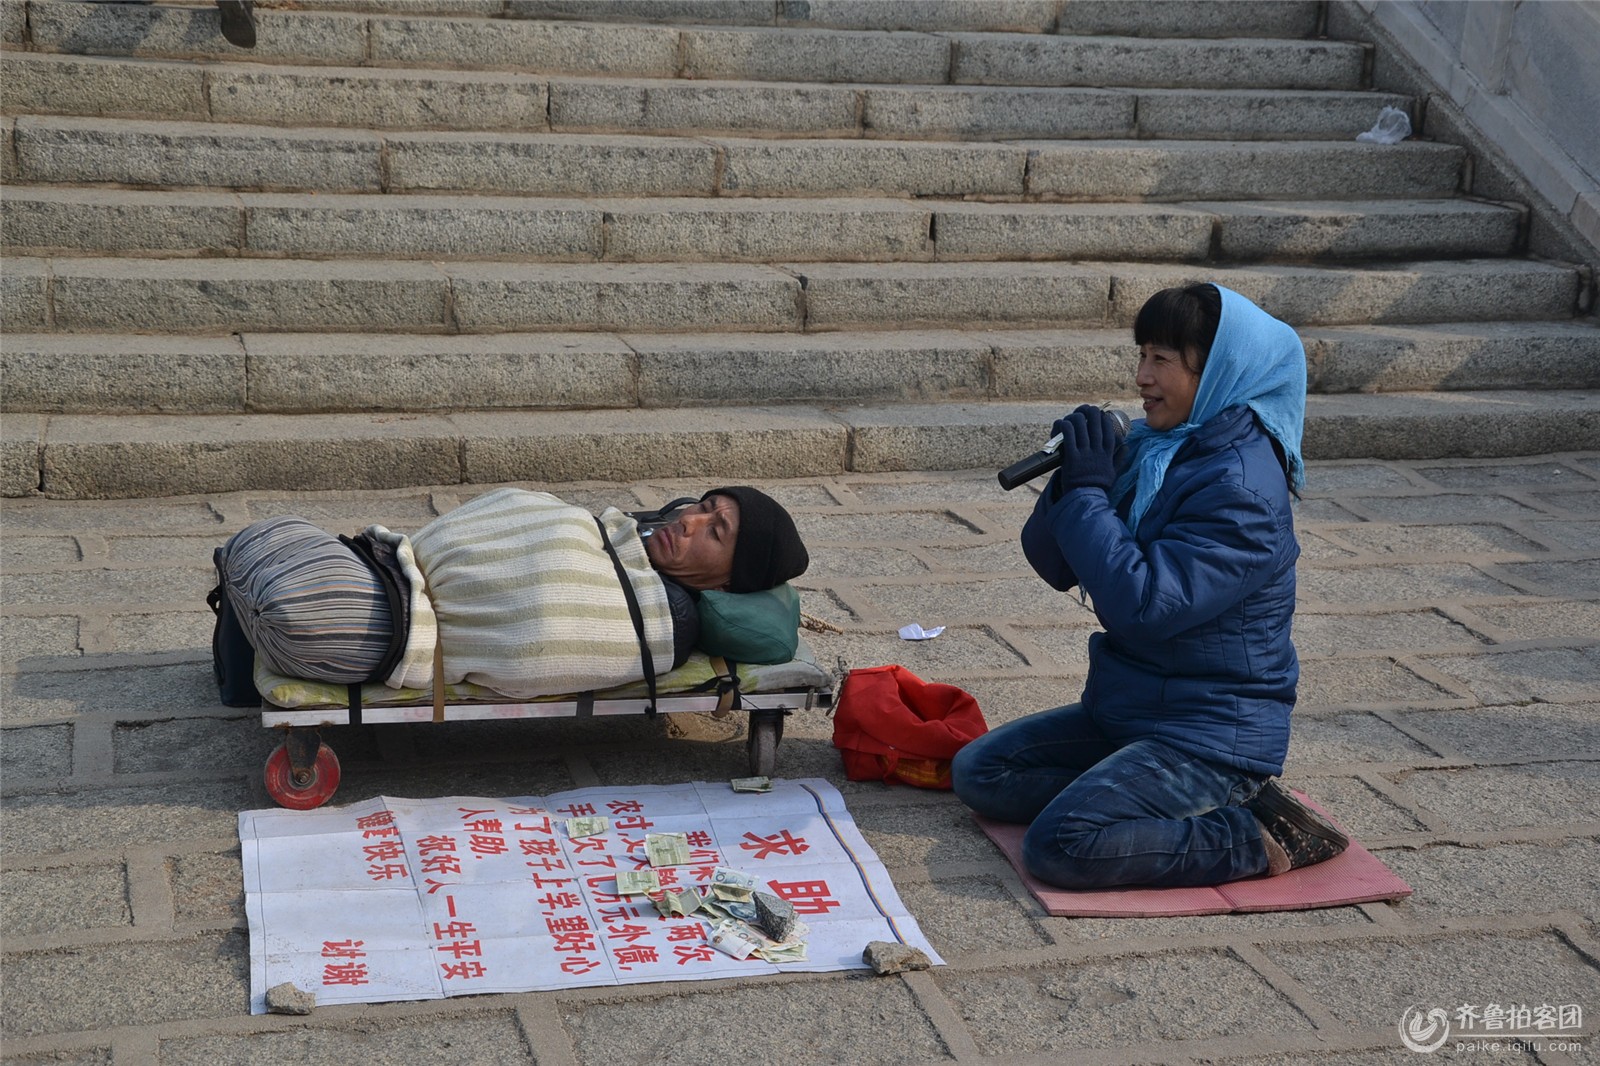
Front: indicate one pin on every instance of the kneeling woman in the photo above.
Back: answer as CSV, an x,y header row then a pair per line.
x,y
1163,774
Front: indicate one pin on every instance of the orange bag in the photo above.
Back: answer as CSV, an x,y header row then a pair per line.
x,y
891,725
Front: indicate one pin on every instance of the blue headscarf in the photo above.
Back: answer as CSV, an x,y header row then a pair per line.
x,y
1256,361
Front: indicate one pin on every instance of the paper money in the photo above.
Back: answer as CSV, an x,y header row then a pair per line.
x,y
667,849
776,917
679,904
734,938
751,784
732,884
795,952
637,882
587,825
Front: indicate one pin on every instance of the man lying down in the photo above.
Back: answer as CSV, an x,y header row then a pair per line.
x,y
516,591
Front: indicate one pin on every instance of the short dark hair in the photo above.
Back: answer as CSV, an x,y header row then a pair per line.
x,y
1183,319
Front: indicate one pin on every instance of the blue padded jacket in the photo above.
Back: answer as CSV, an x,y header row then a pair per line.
x,y
1196,606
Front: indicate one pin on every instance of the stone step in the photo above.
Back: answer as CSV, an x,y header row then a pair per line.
x,y
761,53
1217,18
298,295
71,150
288,373
40,83
49,220
100,457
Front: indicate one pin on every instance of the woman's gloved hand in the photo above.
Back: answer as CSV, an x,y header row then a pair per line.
x,y
1089,440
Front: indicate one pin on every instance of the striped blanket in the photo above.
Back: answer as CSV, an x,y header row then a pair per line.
x,y
518,589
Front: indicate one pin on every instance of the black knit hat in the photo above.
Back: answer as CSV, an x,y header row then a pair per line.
x,y
768,551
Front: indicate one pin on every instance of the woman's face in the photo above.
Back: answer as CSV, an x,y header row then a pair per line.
x,y
1166,385
696,548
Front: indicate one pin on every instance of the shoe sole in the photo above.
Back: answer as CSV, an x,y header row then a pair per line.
x,y
1276,801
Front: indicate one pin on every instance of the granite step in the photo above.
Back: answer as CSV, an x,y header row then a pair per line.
x,y
299,295
759,53
50,220
44,83
171,154
106,457
289,373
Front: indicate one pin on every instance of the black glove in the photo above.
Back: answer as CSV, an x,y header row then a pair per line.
x,y
1089,441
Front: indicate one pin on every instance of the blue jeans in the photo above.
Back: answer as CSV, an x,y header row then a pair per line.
x,y
1101,815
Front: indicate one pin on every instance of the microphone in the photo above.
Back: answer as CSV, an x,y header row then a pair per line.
x,y
1049,457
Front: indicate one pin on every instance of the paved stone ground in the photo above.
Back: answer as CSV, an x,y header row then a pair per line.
x,y
1450,713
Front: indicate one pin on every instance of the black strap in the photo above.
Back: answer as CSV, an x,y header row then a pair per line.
x,y
397,610
637,615
353,696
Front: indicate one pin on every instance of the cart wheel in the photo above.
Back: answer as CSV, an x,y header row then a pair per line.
x,y
763,746
310,793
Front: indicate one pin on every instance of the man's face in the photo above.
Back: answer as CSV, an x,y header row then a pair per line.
x,y
696,548
1166,385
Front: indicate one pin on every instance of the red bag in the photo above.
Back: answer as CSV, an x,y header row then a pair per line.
x,y
891,725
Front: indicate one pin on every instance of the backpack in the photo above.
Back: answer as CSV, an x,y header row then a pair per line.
x,y
890,725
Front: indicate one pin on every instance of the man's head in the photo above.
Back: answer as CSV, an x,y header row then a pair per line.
x,y
737,539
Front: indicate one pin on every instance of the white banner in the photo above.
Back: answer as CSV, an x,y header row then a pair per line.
x,y
394,899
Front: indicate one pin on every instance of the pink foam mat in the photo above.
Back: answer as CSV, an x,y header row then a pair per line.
x,y
1353,877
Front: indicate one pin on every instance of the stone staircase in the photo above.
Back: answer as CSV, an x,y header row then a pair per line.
x,y
548,240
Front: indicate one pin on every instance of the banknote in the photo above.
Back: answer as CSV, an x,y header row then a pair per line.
x,y
637,882
734,938
731,908
791,952
679,904
587,825
667,849
751,784
732,884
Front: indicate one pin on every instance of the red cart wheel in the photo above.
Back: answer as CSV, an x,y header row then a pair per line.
x,y
315,786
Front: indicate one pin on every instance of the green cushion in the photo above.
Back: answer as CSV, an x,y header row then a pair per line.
x,y
750,627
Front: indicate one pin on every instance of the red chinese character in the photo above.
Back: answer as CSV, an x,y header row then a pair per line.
x,y
382,831
554,901
704,855
441,864
640,823
577,964
588,844
576,810
578,940
451,930
485,845
608,861
701,874
808,897
641,953
462,969
484,825
525,810
388,872
668,876
459,948
546,882
540,825
698,838
630,933
434,886
690,930
372,821
343,949
573,923
469,813
617,914
344,973
688,953
782,842
389,849
546,864
625,806
539,847
429,845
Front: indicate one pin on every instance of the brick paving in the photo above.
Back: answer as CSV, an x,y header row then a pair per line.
x,y
1449,629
